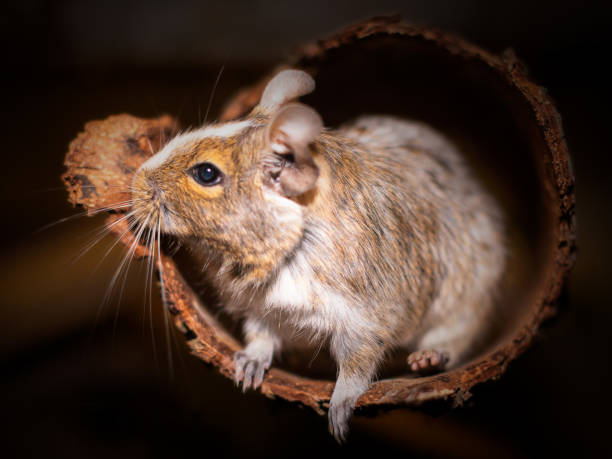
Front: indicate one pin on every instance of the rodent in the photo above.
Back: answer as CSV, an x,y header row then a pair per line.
x,y
366,238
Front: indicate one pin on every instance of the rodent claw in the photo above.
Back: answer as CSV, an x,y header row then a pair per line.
x,y
259,375
338,420
248,375
239,362
248,371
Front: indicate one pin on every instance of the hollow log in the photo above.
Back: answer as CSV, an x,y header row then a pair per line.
x,y
486,103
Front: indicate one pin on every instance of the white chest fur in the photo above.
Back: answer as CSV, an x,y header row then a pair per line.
x,y
309,307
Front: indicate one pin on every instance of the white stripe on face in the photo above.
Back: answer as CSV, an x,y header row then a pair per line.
x,y
220,130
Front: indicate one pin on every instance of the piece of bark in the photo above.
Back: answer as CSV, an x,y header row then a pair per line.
x,y
101,162
103,158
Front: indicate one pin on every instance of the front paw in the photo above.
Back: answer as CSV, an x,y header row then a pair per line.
x,y
339,416
250,369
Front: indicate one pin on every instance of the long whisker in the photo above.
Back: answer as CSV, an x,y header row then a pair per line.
x,y
127,260
149,290
100,234
150,146
164,299
126,271
129,254
146,286
212,93
118,206
122,188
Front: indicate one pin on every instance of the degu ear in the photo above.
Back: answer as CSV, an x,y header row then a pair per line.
x,y
290,135
284,87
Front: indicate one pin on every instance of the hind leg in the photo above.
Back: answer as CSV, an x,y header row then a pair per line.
x,y
427,361
443,346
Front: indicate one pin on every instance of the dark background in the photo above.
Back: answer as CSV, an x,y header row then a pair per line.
x,y
81,379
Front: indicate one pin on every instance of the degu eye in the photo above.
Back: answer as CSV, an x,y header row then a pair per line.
x,y
207,174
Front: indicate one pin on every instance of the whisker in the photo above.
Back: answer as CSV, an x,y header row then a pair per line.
x,y
146,286
164,299
120,205
101,234
63,188
212,93
131,250
151,147
106,226
130,253
149,292
126,271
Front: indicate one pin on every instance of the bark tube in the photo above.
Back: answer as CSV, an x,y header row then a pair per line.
x,y
508,123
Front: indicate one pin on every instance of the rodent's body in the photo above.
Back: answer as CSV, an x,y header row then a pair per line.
x,y
390,242
385,262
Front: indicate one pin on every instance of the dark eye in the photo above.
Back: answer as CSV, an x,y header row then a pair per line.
x,y
207,174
